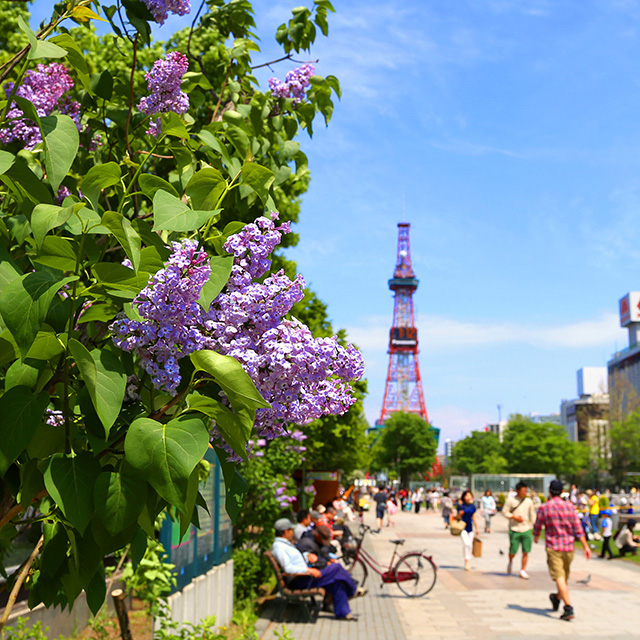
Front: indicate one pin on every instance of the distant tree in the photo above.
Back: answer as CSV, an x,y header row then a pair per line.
x,y
479,452
531,447
624,436
406,443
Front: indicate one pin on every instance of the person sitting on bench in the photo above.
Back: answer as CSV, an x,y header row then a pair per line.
x,y
317,542
334,578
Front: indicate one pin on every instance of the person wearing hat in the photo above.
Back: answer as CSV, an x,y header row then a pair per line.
x,y
334,578
317,542
607,532
561,528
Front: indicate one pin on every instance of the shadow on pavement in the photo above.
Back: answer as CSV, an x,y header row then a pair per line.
x,y
545,613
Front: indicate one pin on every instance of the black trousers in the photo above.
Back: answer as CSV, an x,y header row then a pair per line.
x,y
605,547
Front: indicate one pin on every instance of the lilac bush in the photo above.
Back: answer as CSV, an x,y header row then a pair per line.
x,y
302,377
44,87
164,83
294,85
160,8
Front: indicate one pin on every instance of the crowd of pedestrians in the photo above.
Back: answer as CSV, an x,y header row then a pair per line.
x,y
311,549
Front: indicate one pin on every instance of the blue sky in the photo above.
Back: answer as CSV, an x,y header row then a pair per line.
x,y
510,129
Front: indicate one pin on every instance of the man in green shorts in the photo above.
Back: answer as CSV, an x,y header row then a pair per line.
x,y
521,513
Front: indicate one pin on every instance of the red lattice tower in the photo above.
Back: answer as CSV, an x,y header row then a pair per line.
x,y
403,390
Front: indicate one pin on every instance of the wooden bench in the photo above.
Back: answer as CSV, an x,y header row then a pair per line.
x,y
305,598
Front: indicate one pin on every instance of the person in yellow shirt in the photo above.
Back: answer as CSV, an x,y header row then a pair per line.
x,y
594,511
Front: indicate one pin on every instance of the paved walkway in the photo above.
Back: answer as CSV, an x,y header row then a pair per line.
x,y
483,604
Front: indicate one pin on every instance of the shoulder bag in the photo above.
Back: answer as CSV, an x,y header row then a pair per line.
x,y
457,527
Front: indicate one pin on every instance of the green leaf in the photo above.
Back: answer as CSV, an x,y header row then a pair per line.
x,y
119,277
99,177
70,481
126,235
23,374
96,590
45,217
220,272
172,125
102,84
119,498
40,48
192,495
226,421
205,188
236,487
239,139
171,214
31,187
6,160
24,304
85,220
21,413
61,140
75,57
257,177
58,253
149,184
106,380
46,345
231,377
166,454
47,440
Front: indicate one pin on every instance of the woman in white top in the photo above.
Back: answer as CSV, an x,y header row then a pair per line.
x,y
626,541
488,509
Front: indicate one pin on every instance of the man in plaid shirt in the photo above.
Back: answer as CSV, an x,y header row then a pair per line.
x,y
561,528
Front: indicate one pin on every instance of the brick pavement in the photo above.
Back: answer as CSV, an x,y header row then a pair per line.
x,y
484,604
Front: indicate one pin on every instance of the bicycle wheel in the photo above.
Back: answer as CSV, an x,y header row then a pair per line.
x,y
415,574
359,572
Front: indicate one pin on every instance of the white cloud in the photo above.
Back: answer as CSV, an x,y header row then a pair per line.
x,y
438,333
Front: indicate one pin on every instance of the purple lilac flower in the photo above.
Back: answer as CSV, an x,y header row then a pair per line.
x,y
63,192
294,85
161,8
164,83
54,418
302,377
96,141
44,87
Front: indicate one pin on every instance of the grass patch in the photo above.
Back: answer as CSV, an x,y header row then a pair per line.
x,y
596,549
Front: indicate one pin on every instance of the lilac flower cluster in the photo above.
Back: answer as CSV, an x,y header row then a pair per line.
x,y
54,418
164,83
172,326
294,85
280,490
302,377
44,87
310,491
160,8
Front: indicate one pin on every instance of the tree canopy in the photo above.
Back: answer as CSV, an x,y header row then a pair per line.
x,y
479,452
526,447
406,443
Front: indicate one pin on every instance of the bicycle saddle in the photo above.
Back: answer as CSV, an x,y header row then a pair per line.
x,y
399,541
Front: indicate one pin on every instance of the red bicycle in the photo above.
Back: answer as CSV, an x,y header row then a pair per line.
x,y
415,572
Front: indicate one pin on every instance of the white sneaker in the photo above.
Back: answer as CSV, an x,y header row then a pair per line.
x,y
524,575
509,567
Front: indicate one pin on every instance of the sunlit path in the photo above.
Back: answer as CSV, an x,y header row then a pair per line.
x,y
485,603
